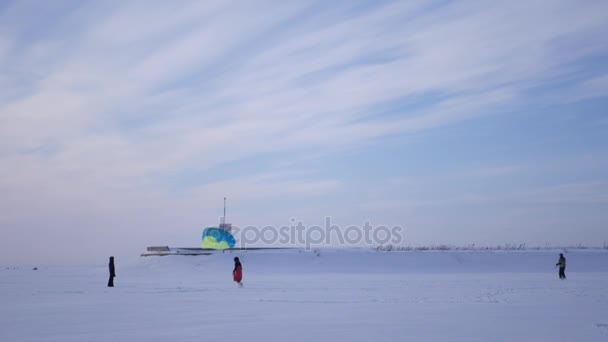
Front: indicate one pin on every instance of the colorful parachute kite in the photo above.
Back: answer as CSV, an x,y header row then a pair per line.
x,y
216,238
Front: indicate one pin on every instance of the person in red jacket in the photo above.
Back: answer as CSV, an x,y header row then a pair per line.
x,y
237,273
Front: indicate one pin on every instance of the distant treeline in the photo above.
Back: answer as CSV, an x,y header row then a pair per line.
x,y
473,247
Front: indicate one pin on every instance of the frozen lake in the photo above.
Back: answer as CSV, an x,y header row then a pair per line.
x,y
350,295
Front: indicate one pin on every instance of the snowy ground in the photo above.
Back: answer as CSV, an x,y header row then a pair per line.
x,y
296,296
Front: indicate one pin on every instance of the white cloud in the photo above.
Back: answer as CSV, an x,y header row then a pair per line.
x,y
118,94
593,87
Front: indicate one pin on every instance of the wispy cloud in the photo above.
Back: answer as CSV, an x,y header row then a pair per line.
x,y
593,87
112,98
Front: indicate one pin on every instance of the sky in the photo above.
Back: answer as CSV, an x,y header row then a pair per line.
x,y
124,124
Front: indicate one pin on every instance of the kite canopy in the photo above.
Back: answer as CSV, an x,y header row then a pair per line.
x,y
216,238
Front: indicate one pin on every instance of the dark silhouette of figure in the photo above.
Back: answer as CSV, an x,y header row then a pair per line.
x,y
562,266
112,272
237,273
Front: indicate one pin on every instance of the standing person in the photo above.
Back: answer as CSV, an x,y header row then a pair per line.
x,y
112,272
237,273
562,266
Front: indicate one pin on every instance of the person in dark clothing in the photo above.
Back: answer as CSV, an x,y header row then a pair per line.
x,y
237,273
562,266
112,272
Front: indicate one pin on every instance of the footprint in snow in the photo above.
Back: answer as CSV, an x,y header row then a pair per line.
x,y
602,326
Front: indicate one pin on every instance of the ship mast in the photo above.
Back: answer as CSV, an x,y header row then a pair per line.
x,y
223,225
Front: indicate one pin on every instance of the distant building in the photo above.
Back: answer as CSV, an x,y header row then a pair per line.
x,y
158,249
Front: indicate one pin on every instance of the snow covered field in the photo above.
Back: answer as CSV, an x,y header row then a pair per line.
x,y
350,295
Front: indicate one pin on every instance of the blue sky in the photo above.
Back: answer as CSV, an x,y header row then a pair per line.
x,y
124,124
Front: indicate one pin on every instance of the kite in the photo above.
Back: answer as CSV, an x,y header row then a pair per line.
x,y
216,238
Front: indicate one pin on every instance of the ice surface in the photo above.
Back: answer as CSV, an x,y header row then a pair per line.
x,y
347,295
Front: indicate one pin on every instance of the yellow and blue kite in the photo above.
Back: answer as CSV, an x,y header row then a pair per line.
x,y
216,238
